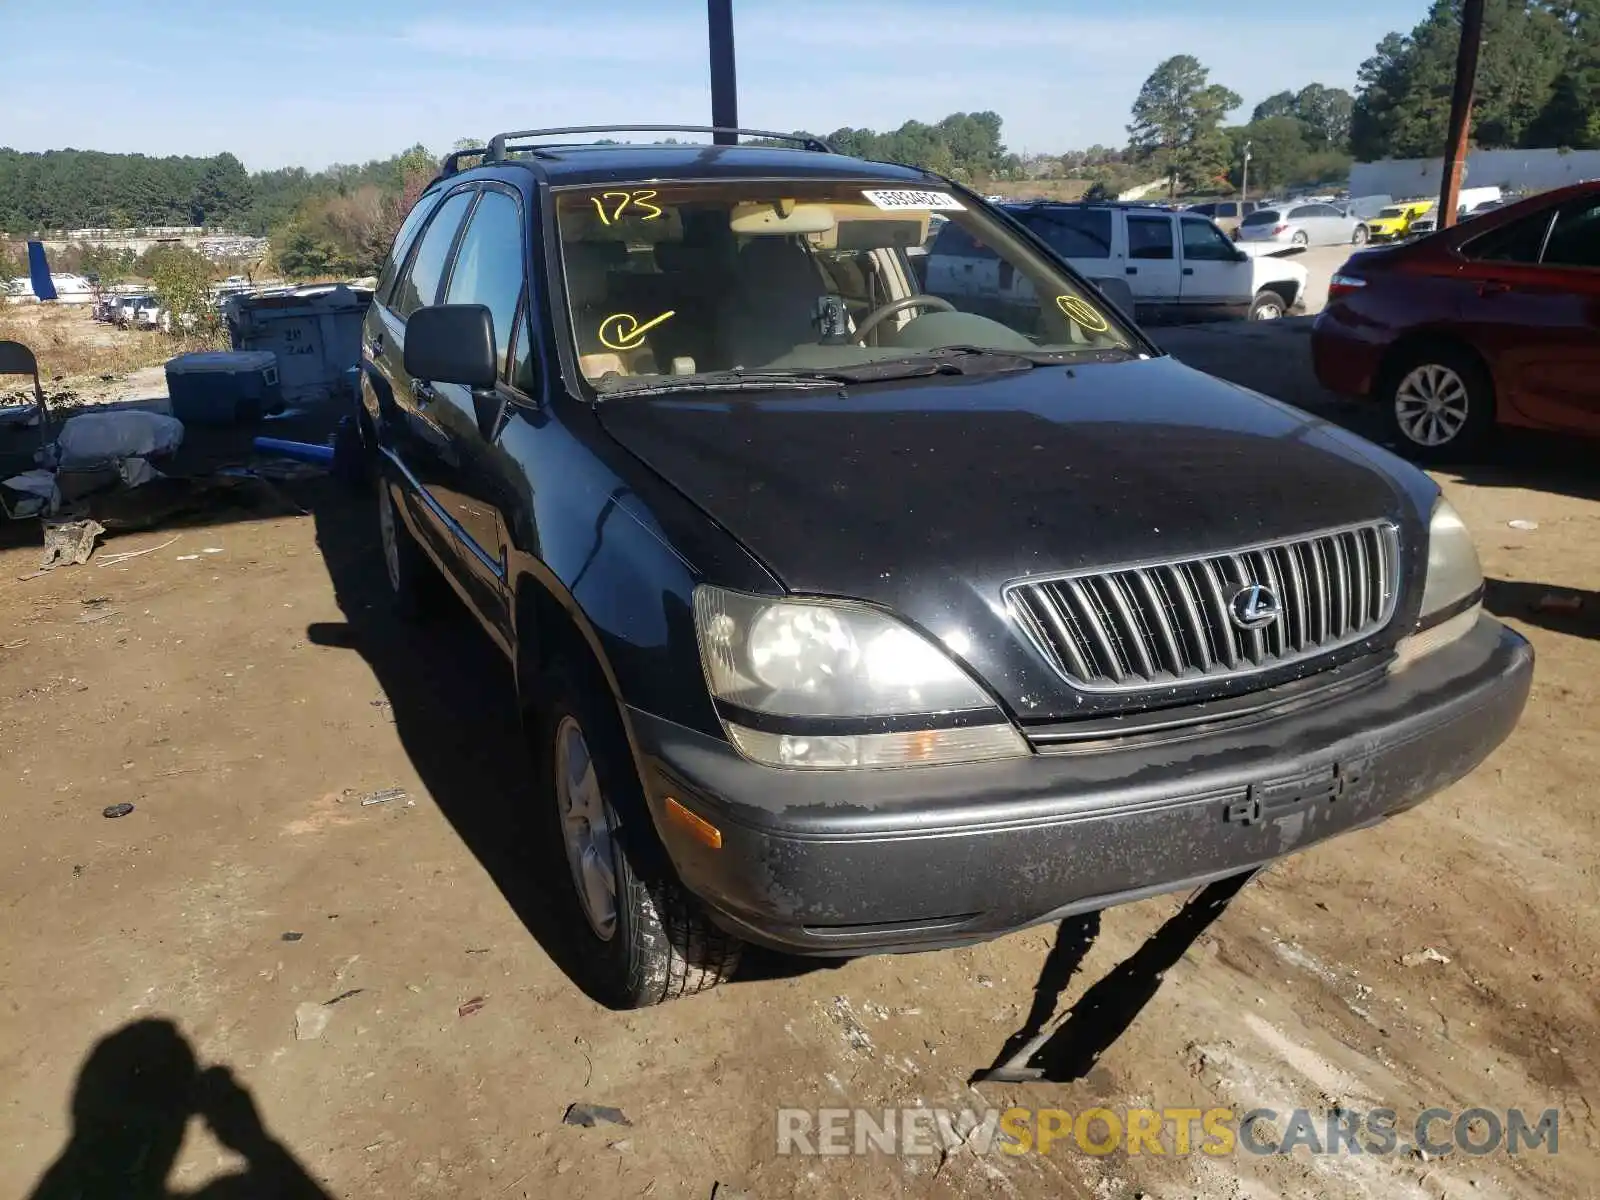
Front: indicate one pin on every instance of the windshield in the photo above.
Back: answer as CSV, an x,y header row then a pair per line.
x,y
1392,212
806,277
1265,216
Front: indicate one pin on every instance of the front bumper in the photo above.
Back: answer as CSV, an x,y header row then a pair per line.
x,y
840,863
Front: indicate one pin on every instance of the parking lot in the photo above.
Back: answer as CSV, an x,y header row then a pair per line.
x,y
329,886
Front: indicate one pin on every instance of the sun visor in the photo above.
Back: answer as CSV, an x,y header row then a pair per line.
x,y
780,218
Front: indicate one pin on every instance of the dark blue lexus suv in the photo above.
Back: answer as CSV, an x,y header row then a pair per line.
x,y
848,617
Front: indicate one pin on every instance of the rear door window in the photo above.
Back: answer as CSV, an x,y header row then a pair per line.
x,y
1575,238
1149,237
420,285
1227,210
958,243
1073,233
1519,242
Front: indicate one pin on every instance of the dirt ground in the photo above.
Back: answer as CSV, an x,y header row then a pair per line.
x,y
244,689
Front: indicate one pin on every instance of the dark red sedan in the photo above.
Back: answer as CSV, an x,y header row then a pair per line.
x,y
1494,321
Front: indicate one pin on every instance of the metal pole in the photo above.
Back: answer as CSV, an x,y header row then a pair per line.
x,y
1455,151
724,86
1244,181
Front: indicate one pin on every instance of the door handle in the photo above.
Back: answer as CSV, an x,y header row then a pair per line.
x,y
375,346
1188,270
1131,270
422,391
1493,287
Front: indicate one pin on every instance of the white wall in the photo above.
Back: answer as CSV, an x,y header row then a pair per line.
x,y
1531,170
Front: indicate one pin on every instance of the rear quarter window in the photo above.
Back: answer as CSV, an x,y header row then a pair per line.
x,y
1265,216
402,242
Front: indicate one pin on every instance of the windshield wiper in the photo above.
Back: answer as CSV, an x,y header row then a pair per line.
x,y
718,381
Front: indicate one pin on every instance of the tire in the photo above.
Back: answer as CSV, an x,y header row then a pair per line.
x,y
415,587
1359,237
1268,306
1300,238
1439,403
639,937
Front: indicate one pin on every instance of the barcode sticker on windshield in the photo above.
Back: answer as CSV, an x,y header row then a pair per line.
x,y
928,201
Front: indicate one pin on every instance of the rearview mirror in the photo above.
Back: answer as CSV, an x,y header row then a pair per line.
x,y
452,343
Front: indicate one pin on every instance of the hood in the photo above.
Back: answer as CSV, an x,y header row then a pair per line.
x,y
927,496
1272,268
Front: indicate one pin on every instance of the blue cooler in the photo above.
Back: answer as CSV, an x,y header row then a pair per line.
x,y
224,387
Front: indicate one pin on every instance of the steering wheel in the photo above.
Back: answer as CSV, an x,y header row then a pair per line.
x,y
884,311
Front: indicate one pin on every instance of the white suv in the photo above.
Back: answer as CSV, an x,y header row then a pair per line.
x,y
1178,265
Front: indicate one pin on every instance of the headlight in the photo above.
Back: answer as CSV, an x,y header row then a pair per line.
x,y
1453,570
807,664
1454,578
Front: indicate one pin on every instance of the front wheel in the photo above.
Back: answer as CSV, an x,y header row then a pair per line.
x,y
640,937
1359,237
1440,404
1268,306
1301,238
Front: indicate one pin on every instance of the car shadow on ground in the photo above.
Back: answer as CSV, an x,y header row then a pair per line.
x,y
1109,1007
135,1096
1574,611
453,699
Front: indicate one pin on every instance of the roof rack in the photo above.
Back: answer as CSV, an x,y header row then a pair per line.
x,y
498,151
452,160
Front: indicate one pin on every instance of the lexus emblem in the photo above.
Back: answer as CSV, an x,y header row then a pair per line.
x,y
1254,607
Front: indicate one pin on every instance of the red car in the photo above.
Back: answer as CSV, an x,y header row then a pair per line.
x,y
1493,321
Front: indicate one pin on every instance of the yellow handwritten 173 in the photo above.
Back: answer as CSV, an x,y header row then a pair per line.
x,y
1083,313
611,205
622,331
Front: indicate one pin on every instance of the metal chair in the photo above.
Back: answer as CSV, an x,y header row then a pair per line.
x,y
17,359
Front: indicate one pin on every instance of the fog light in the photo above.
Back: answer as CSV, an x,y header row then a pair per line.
x,y
917,748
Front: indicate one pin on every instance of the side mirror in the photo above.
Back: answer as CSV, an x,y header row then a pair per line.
x,y
1240,255
452,343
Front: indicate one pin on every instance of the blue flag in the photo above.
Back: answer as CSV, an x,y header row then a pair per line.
x,y
39,269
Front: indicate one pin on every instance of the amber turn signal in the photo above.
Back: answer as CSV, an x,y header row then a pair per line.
x,y
702,829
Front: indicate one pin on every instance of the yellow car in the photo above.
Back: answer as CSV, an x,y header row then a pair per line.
x,y
1394,221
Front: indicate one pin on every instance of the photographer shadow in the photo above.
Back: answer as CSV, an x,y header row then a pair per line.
x,y
136,1093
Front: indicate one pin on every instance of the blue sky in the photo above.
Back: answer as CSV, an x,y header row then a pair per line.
x,y
309,82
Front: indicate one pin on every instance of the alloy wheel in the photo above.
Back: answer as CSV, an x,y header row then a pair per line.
x,y
1430,405
586,829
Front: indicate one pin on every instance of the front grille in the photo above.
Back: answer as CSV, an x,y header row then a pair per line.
x,y
1165,623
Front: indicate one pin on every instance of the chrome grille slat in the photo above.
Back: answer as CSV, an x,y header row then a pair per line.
x,y
1158,606
1358,544
1111,662
1151,625
1300,599
1242,575
1226,636
1194,622
1341,586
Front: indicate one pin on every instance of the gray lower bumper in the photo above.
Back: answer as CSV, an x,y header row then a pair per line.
x,y
845,863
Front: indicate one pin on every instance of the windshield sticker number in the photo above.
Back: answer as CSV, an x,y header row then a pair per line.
x,y
611,205
897,199
1083,313
622,331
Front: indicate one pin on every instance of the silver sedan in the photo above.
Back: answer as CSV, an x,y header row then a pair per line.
x,y
1304,225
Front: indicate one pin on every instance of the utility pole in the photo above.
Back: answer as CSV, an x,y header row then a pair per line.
x,y
724,86
1455,151
1244,180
